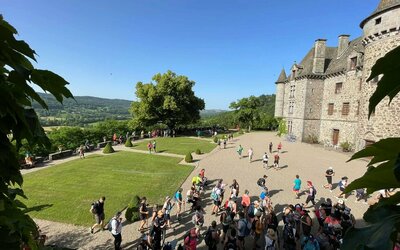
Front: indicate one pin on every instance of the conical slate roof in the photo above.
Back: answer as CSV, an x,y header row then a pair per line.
x,y
282,77
383,6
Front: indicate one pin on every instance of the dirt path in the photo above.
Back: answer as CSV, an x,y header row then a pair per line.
x,y
309,161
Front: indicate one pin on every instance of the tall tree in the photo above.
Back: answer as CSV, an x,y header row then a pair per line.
x,y
18,121
170,100
246,110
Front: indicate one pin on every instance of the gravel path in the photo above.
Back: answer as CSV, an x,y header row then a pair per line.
x,y
309,161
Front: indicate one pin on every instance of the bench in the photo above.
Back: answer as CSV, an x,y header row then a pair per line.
x,y
60,155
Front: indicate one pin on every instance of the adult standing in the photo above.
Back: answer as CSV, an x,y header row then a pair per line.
x,y
215,235
239,150
245,201
167,210
270,147
306,223
250,153
116,229
242,228
144,214
149,147
97,209
329,174
270,239
81,152
190,241
297,186
158,229
265,160
234,188
279,147
154,146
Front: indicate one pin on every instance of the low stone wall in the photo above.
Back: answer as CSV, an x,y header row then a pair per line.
x,y
60,155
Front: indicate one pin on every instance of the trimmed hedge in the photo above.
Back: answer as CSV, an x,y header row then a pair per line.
x,y
128,143
189,157
198,152
132,211
215,139
108,149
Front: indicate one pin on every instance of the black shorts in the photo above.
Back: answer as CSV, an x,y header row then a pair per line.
x,y
143,216
225,228
341,189
240,238
217,203
167,216
329,179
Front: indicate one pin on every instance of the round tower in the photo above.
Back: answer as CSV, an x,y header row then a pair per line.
x,y
280,94
381,34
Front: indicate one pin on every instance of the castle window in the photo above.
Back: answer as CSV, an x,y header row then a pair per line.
x,y
330,108
345,108
338,87
358,108
353,63
378,21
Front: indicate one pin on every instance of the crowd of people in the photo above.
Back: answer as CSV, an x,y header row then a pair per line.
x,y
242,221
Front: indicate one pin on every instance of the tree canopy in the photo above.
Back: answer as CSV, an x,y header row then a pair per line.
x,y
18,122
170,100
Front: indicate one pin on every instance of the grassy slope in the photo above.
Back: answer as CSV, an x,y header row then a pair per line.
x,y
71,187
179,145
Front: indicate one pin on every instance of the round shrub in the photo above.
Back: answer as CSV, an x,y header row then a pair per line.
x,y
198,151
128,143
108,149
215,139
189,157
132,211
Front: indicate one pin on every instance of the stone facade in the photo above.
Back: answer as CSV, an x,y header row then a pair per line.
x,y
326,95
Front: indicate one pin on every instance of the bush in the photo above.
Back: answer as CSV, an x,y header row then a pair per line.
x,y
189,157
198,151
346,146
128,143
241,132
108,149
132,211
313,139
215,139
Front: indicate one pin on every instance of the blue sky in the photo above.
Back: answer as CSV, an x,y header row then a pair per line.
x,y
231,48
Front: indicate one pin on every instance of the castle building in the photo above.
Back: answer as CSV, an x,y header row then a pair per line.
x,y
325,97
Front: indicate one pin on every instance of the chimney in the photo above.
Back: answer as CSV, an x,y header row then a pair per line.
x,y
319,56
343,44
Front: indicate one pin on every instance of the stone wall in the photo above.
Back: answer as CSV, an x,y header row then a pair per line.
x,y
351,93
312,110
386,120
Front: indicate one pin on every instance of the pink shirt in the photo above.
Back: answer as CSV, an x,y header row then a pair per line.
x,y
245,200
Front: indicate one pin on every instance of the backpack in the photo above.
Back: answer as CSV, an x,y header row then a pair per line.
x,y
315,191
231,244
208,238
250,212
247,228
94,205
214,195
109,225
310,243
288,235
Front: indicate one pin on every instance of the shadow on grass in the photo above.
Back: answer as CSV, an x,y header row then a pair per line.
x,y
37,208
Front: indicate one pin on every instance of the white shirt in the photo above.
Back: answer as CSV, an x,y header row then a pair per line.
x,y
265,157
116,227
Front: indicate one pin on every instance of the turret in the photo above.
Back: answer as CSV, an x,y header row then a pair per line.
x,y
280,93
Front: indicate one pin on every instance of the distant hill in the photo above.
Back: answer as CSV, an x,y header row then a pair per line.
x,y
81,111
210,112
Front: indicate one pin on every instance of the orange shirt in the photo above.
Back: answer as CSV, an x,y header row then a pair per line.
x,y
245,200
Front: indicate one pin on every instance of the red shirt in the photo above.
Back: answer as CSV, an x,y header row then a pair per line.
x,y
245,200
202,173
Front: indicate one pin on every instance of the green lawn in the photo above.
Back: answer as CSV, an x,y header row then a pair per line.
x,y
178,145
66,191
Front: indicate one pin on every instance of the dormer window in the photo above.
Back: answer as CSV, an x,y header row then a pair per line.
x,y
378,21
353,63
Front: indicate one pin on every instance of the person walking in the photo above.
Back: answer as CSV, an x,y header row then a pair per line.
x,y
276,161
179,202
154,146
144,214
270,147
250,153
149,147
329,174
214,236
81,152
342,186
167,210
279,147
246,201
311,194
116,228
261,182
239,150
97,209
297,186
265,160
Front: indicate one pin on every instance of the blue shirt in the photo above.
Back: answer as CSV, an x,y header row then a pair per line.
x,y
297,184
